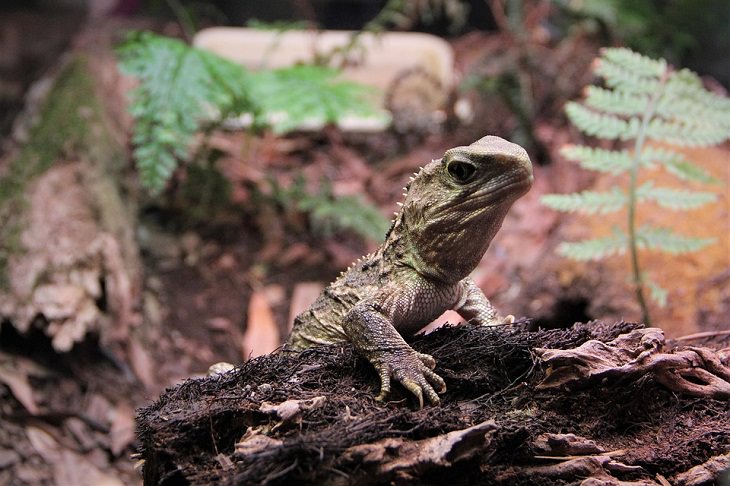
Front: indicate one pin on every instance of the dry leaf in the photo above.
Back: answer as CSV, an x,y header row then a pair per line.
x,y
275,294
391,456
122,431
253,442
219,324
141,362
304,294
81,432
262,334
18,384
294,253
43,443
8,458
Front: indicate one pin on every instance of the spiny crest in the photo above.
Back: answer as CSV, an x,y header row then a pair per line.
x,y
406,188
356,263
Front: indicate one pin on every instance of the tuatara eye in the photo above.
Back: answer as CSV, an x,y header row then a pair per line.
x,y
462,172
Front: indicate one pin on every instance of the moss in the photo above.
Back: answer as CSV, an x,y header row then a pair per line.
x,y
70,123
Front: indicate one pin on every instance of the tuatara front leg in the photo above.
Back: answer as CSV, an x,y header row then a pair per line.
x,y
375,324
372,333
475,308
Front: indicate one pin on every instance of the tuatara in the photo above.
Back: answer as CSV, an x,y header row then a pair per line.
x,y
453,208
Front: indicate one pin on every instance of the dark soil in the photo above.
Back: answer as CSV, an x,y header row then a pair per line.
x,y
188,436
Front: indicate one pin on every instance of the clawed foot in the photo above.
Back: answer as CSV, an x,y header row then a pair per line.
x,y
414,371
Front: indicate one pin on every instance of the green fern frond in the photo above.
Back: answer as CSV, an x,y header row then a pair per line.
x,y
601,160
586,202
686,100
601,125
594,249
178,87
616,102
643,101
634,62
677,164
183,89
308,94
676,199
664,239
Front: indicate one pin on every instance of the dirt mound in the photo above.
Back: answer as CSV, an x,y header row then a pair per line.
x,y
312,418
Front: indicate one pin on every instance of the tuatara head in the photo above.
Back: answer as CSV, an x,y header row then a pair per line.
x,y
455,205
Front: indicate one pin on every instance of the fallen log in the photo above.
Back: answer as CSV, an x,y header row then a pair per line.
x,y
69,261
312,417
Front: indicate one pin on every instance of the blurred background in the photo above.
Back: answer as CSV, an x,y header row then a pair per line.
x,y
179,179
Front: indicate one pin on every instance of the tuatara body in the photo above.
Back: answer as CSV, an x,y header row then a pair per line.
x,y
453,208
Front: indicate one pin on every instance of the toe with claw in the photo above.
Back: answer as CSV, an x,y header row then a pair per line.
x,y
412,370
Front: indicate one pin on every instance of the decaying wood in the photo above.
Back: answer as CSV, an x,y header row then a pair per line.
x,y
311,417
594,470
73,265
699,372
397,458
565,445
706,473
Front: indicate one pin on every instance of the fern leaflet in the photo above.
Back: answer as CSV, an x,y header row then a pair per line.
x,y
676,164
595,248
634,62
676,199
616,102
664,239
587,202
621,78
601,125
601,160
327,213
657,293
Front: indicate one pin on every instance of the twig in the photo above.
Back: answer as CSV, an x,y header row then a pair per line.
x,y
183,18
700,335
617,452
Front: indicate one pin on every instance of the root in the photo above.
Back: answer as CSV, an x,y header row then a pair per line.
x,y
694,371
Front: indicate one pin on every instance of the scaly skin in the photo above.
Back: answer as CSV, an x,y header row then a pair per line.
x,y
453,208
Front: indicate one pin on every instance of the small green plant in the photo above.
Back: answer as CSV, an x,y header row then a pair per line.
x,y
184,91
327,213
405,14
643,100
398,15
